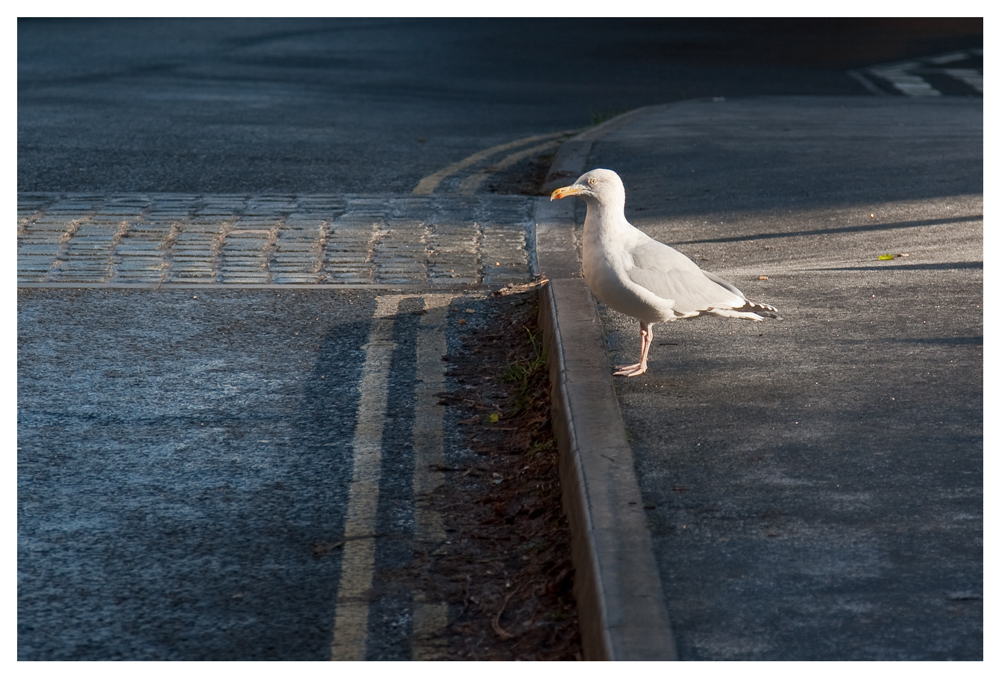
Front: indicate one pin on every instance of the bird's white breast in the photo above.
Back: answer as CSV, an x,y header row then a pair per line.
x,y
607,259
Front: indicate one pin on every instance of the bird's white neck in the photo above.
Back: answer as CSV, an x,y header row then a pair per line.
x,y
604,219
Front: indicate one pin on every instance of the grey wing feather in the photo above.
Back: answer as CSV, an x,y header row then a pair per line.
x,y
691,291
725,283
670,275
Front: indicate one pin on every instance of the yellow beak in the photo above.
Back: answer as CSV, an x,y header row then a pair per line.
x,y
563,192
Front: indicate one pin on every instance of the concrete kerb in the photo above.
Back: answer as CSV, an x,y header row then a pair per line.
x,y
618,590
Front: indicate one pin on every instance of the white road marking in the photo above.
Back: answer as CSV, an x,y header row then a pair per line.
x,y
903,77
949,58
350,630
428,184
907,83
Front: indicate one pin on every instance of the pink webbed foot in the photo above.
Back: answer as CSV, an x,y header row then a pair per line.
x,y
630,370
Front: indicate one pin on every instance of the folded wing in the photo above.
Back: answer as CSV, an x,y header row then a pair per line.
x,y
670,275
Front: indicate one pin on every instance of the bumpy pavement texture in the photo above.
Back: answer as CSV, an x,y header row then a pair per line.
x,y
261,239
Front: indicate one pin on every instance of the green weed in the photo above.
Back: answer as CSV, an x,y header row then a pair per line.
x,y
599,116
522,371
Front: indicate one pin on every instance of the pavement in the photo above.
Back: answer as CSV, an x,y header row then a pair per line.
x,y
802,489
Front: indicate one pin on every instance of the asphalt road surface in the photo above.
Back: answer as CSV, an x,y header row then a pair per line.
x,y
373,106
182,452
185,455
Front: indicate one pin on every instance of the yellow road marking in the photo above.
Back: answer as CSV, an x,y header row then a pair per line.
x,y
431,182
350,629
428,414
471,183
429,618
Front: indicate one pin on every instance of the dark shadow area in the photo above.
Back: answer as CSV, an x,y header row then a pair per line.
x,y
742,164
838,231
944,341
945,266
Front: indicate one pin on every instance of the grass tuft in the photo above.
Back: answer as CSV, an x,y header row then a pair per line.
x,y
522,371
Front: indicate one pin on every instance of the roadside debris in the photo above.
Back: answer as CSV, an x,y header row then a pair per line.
x,y
506,572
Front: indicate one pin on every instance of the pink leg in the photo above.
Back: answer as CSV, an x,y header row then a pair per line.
x,y
646,334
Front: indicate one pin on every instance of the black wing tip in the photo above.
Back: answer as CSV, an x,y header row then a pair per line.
x,y
765,310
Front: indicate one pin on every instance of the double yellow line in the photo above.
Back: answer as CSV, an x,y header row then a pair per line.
x,y
472,183
350,631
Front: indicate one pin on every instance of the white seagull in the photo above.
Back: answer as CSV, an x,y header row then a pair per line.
x,y
642,277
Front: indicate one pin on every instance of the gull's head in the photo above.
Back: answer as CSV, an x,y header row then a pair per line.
x,y
600,185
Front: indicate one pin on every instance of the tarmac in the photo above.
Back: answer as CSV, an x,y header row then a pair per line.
x,y
802,489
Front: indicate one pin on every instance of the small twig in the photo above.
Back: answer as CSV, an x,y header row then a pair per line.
x,y
496,619
322,548
443,468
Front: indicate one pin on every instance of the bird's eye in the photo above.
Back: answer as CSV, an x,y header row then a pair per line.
x,y
592,181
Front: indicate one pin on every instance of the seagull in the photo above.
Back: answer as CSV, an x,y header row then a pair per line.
x,y
642,277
